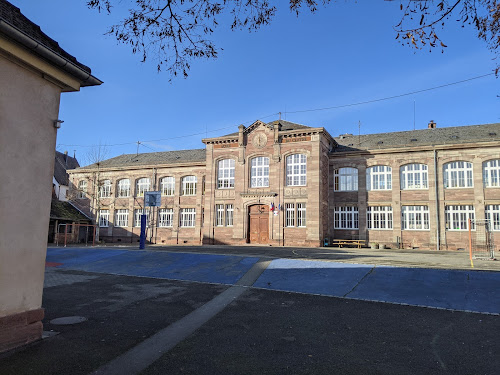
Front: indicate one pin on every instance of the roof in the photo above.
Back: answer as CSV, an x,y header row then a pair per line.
x,y
62,163
425,137
65,211
284,126
152,158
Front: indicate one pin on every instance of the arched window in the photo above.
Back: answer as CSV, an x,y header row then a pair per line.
x,y
167,186
225,174
189,185
379,177
345,179
296,170
123,189
414,176
141,186
491,173
105,189
458,174
259,172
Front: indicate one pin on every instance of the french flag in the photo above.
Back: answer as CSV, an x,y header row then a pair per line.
x,y
272,207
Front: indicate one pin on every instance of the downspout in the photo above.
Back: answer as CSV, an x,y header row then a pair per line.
x,y
438,225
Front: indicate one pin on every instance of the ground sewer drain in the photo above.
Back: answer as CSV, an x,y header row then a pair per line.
x,y
68,320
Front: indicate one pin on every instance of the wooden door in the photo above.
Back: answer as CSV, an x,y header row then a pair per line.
x,y
259,224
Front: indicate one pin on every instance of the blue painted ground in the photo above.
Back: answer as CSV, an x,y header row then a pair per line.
x,y
181,266
458,290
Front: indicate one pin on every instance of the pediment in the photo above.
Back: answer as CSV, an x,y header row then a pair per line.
x,y
257,125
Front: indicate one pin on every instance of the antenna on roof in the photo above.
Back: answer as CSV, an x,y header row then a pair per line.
x,y
280,115
138,143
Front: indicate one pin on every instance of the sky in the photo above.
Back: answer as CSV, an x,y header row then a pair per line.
x,y
343,54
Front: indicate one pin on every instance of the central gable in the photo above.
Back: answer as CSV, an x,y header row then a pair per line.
x,y
256,126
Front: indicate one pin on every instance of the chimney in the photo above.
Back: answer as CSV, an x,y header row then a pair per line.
x,y
432,125
66,157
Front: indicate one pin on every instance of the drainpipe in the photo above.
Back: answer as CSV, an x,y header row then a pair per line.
x,y
438,225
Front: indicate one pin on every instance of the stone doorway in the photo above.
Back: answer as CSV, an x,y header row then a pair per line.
x,y
258,222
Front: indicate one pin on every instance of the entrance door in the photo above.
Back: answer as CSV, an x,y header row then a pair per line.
x,y
259,223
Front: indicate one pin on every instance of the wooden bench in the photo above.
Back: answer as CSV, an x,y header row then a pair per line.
x,y
340,243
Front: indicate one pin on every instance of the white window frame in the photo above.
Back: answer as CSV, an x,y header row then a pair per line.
x,y
415,218
187,217
414,176
289,215
457,217
123,188
345,179
137,216
296,170
167,186
379,177
189,185
458,175
379,217
492,212
491,173
301,215
225,174
229,215
121,218
141,186
165,217
219,215
105,189
82,189
346,217
103,218
259,172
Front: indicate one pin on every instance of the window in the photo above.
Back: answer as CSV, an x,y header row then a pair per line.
x,y
296,167
414,176
123,188
289,214
415,217
224,215
293,211
379,217
219,212
187,217
137,217
493,215
346,179
457,217
104,218
189,185
105,189
457,174
259,173
141,186
491,173
301,214
229,215
82,188
225,174
165,217
346,217
121,218
379,177
167,186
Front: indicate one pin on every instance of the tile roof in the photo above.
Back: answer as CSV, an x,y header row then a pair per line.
x,y
285,126
62,163
13,16
425,137
153,158
65,211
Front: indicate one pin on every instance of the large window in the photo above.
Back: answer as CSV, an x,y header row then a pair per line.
x,y
219,215
187,217
82,188
415,217
224,215
346,179
123,188
491,173
289,214
346,217
105,189
296,170
414,176
379,217
493,215
458,174
137,217
104,218
189,185
225,174
295,215
165,217
167,186
379,177
259,173
141,186
457,217
121,218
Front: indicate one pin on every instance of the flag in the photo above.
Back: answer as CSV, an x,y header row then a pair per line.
x,y
279,207
272,207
